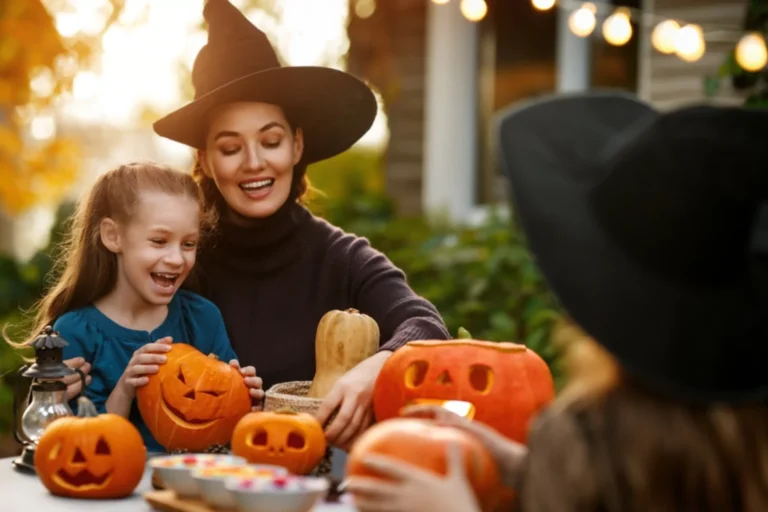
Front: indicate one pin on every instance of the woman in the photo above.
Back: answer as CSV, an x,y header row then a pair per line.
x,y
272,267
663,221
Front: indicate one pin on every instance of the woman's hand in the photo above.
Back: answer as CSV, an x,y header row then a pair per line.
x,y
352,396
253,382
508,454
73,382
411,488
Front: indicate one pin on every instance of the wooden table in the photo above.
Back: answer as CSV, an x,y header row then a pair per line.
x,y
20,492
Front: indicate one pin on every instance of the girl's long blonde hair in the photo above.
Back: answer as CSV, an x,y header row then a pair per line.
x,y
85,270
611,444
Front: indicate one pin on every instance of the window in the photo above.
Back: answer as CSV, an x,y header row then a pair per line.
x,y
518,61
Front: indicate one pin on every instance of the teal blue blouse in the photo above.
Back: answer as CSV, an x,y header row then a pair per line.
x,y
109,346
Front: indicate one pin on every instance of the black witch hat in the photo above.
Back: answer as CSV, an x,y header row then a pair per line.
x,y
333,108
651,228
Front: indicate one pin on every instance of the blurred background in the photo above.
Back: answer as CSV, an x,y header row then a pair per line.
x,y
82,80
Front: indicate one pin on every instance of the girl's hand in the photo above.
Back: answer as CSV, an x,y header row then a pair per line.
x,y
508,454
352,396
253,382
145,361
411,488
73,382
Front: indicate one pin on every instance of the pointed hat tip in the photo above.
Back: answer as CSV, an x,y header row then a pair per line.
x,y
225,21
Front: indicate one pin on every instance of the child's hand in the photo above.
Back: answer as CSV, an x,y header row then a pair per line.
x,y
412,488
145,361
253,382
508,454
73,382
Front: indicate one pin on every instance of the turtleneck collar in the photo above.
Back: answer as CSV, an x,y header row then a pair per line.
x,y
259,245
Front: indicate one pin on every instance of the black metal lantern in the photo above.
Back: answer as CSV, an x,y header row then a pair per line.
x,y
48,395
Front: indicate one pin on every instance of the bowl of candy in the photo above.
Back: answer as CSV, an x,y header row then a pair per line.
x,y
175,470
285,493
211,481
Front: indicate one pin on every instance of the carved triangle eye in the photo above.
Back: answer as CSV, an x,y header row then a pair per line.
x,y
102,448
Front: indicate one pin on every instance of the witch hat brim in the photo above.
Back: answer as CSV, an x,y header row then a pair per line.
x,y
671,336
333,108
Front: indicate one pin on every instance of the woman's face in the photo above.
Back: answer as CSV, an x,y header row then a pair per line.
x,y
250,154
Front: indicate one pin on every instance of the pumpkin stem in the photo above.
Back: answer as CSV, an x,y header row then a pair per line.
x,y
85,408
464,334
286,410
352,311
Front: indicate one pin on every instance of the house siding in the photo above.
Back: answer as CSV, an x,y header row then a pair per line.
x,y
672,82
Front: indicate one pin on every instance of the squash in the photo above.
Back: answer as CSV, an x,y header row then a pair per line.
x,y
90,455
194,401
503,385
343,339
424,443
293,440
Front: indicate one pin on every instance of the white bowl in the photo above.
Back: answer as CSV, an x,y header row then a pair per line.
x,y
212,486
174,470
263,497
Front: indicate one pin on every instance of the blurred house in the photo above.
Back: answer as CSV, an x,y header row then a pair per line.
x,y
443,78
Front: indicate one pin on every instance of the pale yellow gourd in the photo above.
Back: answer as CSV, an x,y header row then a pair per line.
x,y
343,339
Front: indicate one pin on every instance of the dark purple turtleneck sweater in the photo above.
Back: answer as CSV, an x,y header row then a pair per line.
x,y
274,279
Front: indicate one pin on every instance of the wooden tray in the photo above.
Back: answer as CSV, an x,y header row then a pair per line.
x,y
166,501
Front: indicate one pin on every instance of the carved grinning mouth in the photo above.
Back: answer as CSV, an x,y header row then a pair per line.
x,y
181,418
82,478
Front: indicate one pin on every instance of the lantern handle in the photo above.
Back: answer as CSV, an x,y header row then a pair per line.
x,y
18,433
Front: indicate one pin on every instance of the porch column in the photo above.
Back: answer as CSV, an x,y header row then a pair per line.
x,y
574,56
451,113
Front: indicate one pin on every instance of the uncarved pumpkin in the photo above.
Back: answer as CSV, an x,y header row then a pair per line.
x,y
505,383
295,441
194,401
90,455
424,444
343,339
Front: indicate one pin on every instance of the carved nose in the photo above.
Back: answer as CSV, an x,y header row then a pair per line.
x,y
444,378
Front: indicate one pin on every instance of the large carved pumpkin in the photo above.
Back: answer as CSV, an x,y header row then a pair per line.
x,y
295,441
343,339
503,384
425,444
194,401
90,455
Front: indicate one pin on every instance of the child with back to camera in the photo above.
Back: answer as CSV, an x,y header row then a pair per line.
x,y
117,302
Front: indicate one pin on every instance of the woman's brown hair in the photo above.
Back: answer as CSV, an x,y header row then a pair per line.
x,y
611,444
86,270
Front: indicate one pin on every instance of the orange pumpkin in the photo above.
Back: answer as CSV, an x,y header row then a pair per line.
x,y
194,401
295,441
503,384
425,444
90,455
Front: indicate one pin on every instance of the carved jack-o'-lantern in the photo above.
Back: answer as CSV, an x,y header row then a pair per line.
x,y
295,441
194,401
90,455
500,384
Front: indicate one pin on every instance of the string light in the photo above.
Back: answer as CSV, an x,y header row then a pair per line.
x,y
751,52
441,2
365,8
617,28
543,5
582,21
474,10
689,43
663,36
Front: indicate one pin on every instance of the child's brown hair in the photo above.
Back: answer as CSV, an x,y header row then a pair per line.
x,y
611,444
86,270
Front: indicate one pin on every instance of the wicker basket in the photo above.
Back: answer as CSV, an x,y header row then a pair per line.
x,y
293,395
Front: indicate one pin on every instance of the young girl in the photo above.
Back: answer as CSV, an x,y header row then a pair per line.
x,y
117,301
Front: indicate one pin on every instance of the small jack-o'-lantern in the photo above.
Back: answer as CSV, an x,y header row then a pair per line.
x,y
194,401
500,384
295,441
90,455
425,444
